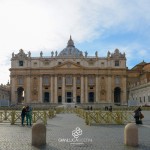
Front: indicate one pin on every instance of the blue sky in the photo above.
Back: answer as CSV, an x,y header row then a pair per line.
x,y
95,25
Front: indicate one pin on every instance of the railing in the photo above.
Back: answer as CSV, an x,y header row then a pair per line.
x,y
81,113
65,110
14,116
105,117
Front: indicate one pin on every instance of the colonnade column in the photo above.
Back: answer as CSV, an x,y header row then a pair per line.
x,y
13,91
109,89
74,89
82,89
55,90
97,89
63,89
86,90
28,90
40,90
123,91
52,89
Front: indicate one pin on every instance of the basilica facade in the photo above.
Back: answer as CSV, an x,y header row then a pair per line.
x,y
70,76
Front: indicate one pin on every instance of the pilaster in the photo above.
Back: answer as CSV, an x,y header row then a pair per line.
x,y
74,89
52,89
82,89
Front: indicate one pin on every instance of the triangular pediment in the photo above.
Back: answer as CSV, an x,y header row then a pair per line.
x,y
68,65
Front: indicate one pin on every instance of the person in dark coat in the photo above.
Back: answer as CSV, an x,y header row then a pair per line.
x,y
29,115
23,114
91,108
137,115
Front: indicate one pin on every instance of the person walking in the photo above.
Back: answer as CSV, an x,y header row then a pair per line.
x,y
138,116
29,115
23,114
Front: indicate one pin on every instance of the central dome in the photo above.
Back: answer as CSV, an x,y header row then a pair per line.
x,y
70,50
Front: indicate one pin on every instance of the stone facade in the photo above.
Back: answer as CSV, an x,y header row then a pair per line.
x,y
4,94
139,84
69,76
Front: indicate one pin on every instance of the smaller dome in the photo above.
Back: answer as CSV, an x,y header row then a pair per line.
x,y
70,42
70,50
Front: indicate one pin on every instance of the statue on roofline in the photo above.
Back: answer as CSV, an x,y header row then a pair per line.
x,y
108,54
86,53
52,53
13,54
96,54
56,53
29,54
41,54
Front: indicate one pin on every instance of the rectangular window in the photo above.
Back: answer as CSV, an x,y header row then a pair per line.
x,y
117,80
20,81
46,63
68,80
140,99
91,80
78,81
20,63
116,62
59,80
45,80
148,98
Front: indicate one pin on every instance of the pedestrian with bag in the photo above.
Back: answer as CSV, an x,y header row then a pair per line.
x,y
138,116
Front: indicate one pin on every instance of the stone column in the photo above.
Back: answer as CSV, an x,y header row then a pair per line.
x,y
28,89
74,89
97,89
82,89
52,89
109,89
40,90
13,90
63,89
55,91
86,89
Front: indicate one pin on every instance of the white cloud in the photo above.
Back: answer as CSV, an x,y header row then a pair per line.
x,y
46,24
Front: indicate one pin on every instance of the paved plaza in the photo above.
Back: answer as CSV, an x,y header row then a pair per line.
x,y
61,137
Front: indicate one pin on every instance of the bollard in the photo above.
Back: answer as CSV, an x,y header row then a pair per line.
x,y
131,135
38,134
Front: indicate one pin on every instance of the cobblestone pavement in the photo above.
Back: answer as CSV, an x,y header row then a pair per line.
x,y
96,137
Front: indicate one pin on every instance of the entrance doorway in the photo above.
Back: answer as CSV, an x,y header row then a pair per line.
x,y
78,99
91,97
20,95
59,99
117,95
46,96
68,97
